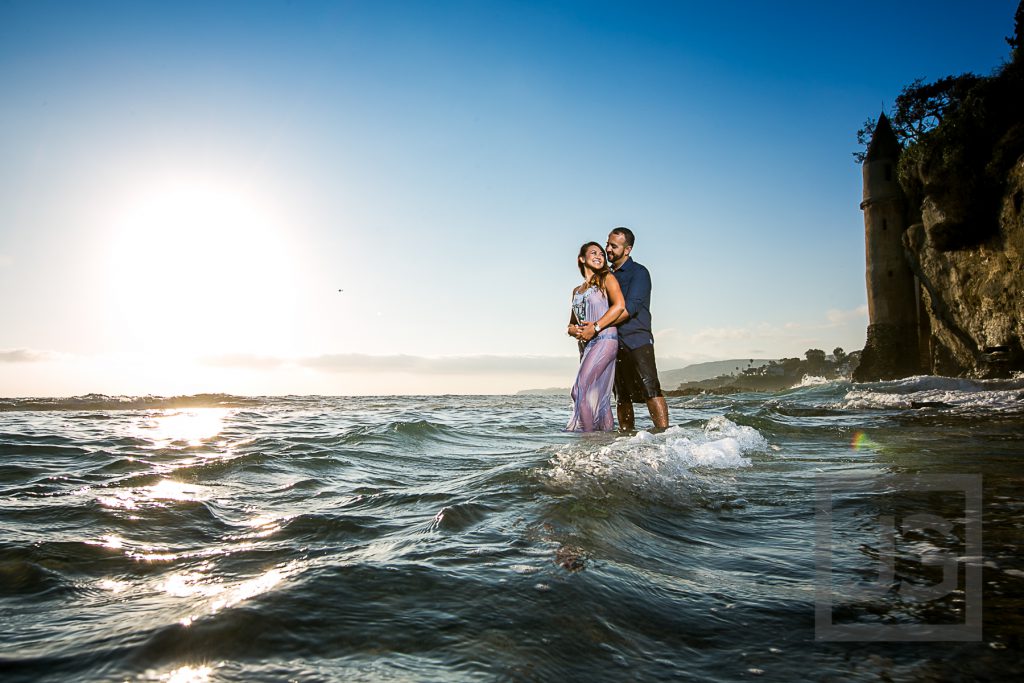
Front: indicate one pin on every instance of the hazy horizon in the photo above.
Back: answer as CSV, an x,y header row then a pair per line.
x,y
669,365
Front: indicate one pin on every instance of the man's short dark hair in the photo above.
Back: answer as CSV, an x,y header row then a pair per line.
x,y
626,233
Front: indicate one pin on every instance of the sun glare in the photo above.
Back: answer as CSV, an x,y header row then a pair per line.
x,y
199,267
189,426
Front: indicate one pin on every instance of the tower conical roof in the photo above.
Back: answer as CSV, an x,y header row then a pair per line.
x,y
884,144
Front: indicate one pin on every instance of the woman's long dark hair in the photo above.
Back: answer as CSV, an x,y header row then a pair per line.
x,y
599,276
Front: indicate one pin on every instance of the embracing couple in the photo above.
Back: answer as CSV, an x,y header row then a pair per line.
x,y
611,318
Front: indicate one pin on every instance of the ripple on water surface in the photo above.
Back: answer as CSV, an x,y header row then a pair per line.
x,y
460,538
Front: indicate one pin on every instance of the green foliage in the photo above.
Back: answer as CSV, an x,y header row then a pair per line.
x,y
919,109
963,161
814,356
1016,41
922,107
864,135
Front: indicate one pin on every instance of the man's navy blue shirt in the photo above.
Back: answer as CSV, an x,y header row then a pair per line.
x,y
635,282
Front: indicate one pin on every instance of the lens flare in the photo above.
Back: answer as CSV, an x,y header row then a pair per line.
x,y
862,442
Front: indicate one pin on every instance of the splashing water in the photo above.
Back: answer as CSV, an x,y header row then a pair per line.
x,y
655,465
961,395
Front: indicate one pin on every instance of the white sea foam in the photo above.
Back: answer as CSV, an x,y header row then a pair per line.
x,y
813,381
953,393
656,462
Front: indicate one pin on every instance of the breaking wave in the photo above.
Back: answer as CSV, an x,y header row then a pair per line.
x,y
656,464
950,393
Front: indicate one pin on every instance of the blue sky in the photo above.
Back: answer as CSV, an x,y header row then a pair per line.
x,y
184,187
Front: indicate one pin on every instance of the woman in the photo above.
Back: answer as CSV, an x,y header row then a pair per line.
x,y
598,300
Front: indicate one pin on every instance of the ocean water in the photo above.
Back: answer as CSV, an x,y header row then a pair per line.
x,y
467,538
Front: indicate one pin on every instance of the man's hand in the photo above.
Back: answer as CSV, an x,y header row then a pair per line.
x,y
587,331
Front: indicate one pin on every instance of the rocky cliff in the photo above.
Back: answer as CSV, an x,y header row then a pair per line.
x,y
972,296
961,170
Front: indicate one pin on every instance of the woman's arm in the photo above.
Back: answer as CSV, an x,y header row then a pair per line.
x,y
616,305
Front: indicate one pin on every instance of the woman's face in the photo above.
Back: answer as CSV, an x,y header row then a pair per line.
x,y
594,258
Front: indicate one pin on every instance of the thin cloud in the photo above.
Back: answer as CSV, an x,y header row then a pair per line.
x,y
730,335
364,363
834,317
788,338
839,317
443,365
244,360
28,356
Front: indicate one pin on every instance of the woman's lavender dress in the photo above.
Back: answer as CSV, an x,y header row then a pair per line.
x,y
592,392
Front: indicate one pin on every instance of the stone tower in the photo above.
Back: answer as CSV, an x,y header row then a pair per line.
x,y
891,350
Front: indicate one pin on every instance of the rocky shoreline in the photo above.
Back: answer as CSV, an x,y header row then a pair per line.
x,y
777,375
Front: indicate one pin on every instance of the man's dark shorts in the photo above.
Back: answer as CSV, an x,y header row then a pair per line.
x,y
636,375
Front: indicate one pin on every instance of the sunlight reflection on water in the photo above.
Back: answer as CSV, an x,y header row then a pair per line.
x,y
214,597
191,426
168,489
187,674
155,495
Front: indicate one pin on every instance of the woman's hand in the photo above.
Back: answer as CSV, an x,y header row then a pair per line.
x,y
573,331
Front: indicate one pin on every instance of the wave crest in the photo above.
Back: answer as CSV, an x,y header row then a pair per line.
x,y
971,395
656,464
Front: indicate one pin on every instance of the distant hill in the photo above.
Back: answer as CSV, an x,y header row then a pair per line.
x,y
670,379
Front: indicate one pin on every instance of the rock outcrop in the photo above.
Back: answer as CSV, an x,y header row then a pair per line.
x,y
972,296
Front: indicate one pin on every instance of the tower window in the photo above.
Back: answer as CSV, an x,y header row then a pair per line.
x,y
888,171
885,224
890,273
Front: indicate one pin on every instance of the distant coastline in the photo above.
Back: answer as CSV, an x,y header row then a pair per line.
x,y
738,375
776,375
550,391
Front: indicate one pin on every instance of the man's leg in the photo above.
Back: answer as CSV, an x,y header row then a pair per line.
x,y
658,410
625,412
647,368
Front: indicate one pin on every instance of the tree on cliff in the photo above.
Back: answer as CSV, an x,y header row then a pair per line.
x,y
960,137
922,107
1016,41
919,109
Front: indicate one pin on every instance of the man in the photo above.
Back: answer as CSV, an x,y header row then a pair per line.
x,y
636,373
